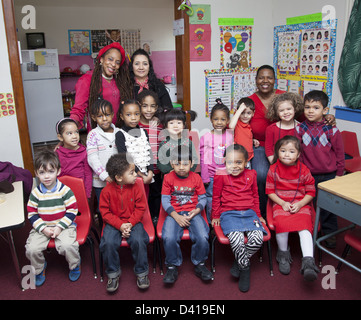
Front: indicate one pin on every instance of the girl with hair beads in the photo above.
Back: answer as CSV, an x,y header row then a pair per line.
x,y
174,123
72,154
109,80
284,109
101,143
134,140
149,121
212,147
236,209
291,187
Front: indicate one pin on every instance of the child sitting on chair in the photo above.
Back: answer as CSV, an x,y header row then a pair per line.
x,y
122,205
236,209
52,209
184,198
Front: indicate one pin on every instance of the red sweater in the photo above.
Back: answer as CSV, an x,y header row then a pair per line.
x,y
259,122
273,134
120,204
235,193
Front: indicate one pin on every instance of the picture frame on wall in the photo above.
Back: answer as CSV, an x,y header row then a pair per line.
x,y
79,42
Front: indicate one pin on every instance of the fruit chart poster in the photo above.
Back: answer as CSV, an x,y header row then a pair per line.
x,y
304,56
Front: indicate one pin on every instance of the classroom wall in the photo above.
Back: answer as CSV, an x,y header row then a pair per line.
x,y
10,149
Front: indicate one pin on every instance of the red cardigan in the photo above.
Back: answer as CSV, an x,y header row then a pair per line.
x,y
235,193
120,204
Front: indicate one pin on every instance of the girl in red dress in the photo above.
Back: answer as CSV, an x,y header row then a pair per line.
x,y
290,186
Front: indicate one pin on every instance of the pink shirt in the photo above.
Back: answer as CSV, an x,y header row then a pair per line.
x,y
82,88
211,149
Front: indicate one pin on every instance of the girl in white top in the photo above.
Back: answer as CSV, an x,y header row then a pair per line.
x,y
134,140
101,143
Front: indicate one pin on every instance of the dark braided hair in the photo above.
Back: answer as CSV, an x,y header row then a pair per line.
x,y
122,81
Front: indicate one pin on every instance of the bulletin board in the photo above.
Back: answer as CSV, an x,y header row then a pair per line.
x,y
230,85
304,56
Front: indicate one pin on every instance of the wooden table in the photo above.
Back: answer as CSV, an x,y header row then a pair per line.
x,y
12,216
341,196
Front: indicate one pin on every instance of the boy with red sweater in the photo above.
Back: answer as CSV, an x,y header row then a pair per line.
x,y
322,151
122,205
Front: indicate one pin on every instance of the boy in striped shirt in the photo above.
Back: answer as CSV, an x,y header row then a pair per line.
x,y
52,209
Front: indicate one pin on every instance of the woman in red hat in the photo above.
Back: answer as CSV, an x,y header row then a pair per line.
x,y
109,80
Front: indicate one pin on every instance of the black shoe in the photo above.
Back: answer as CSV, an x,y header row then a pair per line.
x,y
171,275
309,269
113,284
202,272
244,279
235,269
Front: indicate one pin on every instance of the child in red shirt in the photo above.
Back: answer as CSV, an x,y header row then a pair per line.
x,y
236,209
184,198
122,205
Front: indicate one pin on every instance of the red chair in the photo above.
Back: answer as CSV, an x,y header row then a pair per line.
x,y
352,239
193,135
272,227
161,219
83,219
148,227
351,149
219,235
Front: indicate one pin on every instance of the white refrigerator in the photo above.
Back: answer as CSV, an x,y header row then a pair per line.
x,y
42,90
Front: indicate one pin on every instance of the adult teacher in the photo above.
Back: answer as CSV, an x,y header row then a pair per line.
x,y
265,81
109,80
143,77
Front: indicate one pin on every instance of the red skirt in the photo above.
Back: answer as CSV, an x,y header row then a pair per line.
x,y
291,222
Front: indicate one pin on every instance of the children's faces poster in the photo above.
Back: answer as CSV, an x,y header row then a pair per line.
x,y
304,56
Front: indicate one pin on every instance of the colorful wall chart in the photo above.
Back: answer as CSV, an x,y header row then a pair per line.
x,y
236,43
304,56
230,85
7,104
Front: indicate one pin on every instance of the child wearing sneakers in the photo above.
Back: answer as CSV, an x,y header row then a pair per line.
x,y
184,198
52,209
122,205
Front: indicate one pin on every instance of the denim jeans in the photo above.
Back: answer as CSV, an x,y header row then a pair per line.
x,y
209,195
110,244
172,234
261,164
327,218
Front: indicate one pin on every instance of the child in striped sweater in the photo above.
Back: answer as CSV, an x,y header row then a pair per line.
x,y
52,209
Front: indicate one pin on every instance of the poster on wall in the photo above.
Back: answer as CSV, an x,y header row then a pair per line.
x,y
236,43
7,104
304,56
101,38
230,85
130,40
200,42
201,14
79,42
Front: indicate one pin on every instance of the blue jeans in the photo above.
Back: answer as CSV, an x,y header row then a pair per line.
x,y
261,164
110,243
209,195
172,234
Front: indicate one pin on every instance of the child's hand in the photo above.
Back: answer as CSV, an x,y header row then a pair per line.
x,y
256,143
193,213
286,206
262,220
125,229
241,108
48,231
109,180
147,179
216,222
57,231
295,207
180,219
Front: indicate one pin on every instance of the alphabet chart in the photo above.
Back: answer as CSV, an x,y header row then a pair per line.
x,y
230,85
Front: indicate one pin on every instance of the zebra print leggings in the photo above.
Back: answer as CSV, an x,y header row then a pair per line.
x,y
243,252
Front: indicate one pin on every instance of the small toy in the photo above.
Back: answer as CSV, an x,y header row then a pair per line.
x,y
186,4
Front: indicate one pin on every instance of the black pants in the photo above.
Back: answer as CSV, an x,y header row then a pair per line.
x,y
154,198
